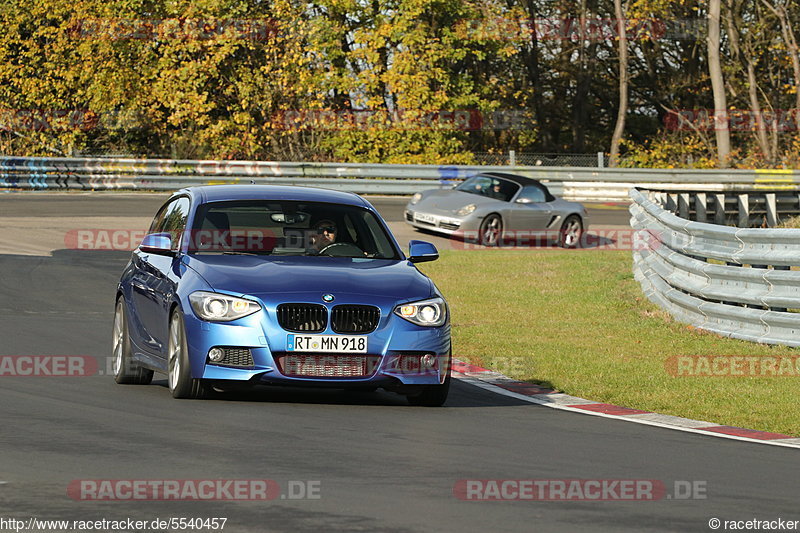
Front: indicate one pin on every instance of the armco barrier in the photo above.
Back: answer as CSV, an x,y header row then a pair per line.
x,y
576,183
736,282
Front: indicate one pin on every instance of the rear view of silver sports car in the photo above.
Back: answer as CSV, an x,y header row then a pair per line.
x,y
495,208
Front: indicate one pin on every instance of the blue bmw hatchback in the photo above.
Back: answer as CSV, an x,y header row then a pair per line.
x,y
245,285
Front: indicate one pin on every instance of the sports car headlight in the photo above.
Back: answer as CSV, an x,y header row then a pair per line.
x,y
416,198
217,307
431,312
466,210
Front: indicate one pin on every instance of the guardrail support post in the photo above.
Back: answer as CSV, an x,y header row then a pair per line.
x,y
772,210
683,205
719,208
672,202
700,206
744,210
600,159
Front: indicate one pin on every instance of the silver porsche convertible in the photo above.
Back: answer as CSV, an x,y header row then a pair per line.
x,y
496,208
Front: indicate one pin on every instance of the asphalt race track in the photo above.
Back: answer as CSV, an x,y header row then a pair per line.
x,y
379,464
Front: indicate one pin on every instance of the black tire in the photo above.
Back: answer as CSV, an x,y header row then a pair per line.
x,y
571,232
432,395
126,371
179,371
491,230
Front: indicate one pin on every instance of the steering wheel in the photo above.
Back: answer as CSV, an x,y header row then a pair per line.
x,y
342,249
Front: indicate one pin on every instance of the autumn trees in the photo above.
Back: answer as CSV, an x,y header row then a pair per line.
x,y
424,81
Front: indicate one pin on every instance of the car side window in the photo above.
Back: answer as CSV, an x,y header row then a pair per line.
x,y
158,220
172,219
503,190
532,194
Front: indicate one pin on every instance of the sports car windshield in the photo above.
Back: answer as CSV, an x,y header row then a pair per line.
x,y
496,188
289,228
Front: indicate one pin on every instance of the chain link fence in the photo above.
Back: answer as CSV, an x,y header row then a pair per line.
x,y
13,146
536,159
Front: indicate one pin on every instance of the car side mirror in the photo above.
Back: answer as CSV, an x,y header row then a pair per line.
x,y
421,251
157,243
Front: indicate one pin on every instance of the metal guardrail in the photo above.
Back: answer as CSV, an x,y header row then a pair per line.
x,y
737,282
576,183
745,209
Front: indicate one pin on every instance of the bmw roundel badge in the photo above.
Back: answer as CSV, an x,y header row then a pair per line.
x,y
327,298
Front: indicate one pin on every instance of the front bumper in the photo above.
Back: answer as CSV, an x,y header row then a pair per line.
x,y
267,342
440,223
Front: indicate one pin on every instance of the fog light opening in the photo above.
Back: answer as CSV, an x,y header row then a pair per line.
x,y
216,354
428,361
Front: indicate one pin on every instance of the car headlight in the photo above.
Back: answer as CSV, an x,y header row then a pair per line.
x,y
466,210
431,312
217,307
416,198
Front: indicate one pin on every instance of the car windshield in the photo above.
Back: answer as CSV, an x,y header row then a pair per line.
x,y
289,228
496,188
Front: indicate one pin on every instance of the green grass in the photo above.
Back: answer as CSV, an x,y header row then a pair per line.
x,y
576,320
791,222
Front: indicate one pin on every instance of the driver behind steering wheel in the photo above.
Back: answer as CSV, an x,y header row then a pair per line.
x,y
323,235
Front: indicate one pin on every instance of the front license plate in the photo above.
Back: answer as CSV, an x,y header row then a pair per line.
x,y
326,343
422,217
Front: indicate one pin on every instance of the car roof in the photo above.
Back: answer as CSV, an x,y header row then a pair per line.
x,y
520,180
224,193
